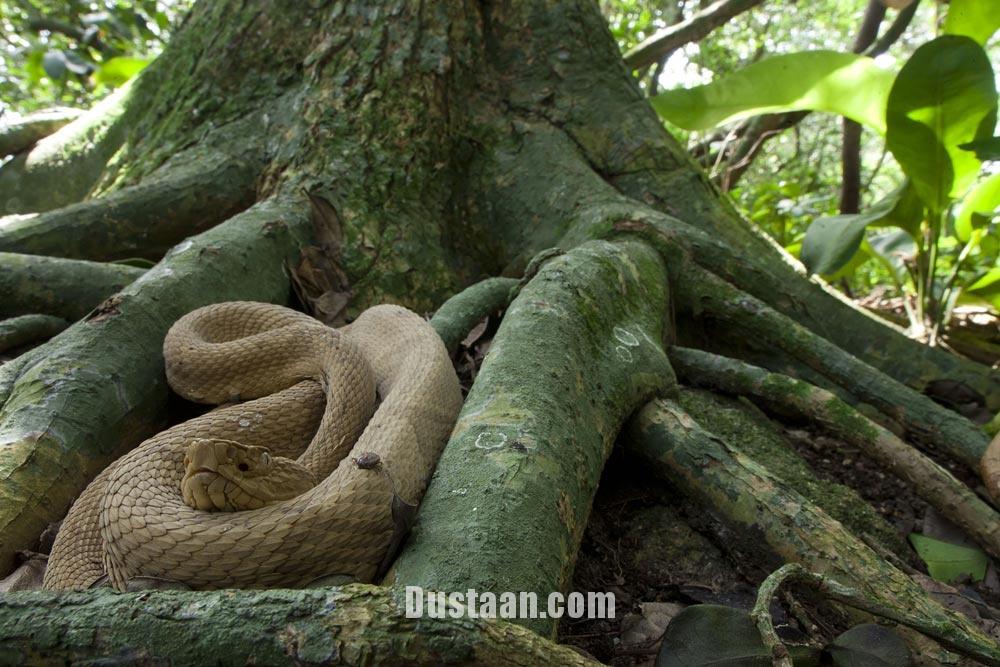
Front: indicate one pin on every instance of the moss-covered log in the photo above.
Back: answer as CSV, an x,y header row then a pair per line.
x,y
352,625
24,329
65,288
68,408
25,131
577,351
774,522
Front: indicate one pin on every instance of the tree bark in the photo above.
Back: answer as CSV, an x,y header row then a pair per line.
x,y
511,495
23,133
63,287
353,625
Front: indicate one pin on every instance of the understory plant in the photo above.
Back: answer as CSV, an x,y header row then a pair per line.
x,y
939,238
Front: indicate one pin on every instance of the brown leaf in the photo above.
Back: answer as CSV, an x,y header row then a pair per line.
x,y
476,333
326,223
318,280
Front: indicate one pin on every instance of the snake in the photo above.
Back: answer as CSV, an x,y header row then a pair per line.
x,y
292,477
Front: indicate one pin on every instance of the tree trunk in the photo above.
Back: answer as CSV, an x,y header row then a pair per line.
x,y
434,144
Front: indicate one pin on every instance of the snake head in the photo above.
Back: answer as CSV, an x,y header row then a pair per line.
x,y
222,475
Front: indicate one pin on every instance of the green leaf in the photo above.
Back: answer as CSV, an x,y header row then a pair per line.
x,y
116,71
947,562
709,634
977,207
984,149
943,97
977,19
869,645
987,288
830,243
841,83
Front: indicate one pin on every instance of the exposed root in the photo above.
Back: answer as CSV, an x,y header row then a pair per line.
x,y
25,329
784,394
577,351
350,625
144,220
456,316
67,288
774,281
777,521
832,589
62,168
703,294
17,135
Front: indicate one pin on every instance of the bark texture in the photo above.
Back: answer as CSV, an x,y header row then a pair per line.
x,y
578,350
353,625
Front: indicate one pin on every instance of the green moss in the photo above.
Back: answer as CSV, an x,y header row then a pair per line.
x,y
750,432
577,351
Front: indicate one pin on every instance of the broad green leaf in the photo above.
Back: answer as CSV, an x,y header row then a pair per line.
x,y
947,562
987,288
116,71
709,634
977,207
984,149
977,19
943,97
869,645
841,83
830,243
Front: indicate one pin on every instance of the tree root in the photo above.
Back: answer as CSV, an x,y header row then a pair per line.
x,y
26,131
703,294
813,305
71,406
459,314
577,351
63,167
783,394
143,220
351,625
834,590
782,523
66,288
24,329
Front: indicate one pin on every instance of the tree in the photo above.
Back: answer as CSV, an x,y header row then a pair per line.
x,y
400,152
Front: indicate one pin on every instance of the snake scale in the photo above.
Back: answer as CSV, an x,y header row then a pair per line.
x,y
291,484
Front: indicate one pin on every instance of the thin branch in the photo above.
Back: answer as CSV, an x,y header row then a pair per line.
x,y
660,45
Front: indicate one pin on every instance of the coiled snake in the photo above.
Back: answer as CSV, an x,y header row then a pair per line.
x,y
384,395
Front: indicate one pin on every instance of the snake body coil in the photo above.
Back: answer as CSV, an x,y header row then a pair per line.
x,y
381,389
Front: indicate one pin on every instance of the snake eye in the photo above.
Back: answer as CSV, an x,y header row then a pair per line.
x,y
265,459
243,467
